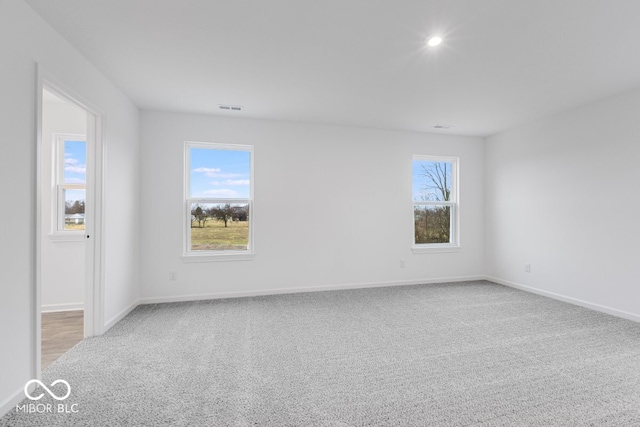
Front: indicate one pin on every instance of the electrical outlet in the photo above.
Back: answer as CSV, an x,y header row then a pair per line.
x,y
402,264
527,268
173,275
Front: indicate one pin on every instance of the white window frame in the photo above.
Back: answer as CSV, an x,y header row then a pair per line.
x,y
225,255
58,187
454,203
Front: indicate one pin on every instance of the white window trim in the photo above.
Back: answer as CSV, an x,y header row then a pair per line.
x,y
189,256
454,245
58,233
68,236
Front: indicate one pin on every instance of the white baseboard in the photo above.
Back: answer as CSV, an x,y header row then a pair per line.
x,y
278,291
52,308
10,402
118,317
570,300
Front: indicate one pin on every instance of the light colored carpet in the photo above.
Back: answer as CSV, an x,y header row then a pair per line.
x,y
459,354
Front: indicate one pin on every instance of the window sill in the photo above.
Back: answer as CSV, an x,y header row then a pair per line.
x,y
428,249
70,237
218,257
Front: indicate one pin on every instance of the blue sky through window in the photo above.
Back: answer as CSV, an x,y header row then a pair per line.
x,y
75,168
75,162
220,173
423,187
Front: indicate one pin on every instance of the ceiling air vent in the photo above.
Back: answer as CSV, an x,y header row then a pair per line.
x,y
230,107
443,127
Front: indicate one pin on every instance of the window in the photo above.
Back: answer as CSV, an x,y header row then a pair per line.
x,y
435,203
218,201
70,183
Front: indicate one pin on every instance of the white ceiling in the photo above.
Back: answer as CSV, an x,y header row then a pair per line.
x,y
360,62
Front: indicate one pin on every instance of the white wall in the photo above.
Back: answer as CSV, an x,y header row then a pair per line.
x,y
332,207
25,39
62,283
562,194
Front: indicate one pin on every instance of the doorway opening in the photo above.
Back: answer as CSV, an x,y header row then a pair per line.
x,y
68,282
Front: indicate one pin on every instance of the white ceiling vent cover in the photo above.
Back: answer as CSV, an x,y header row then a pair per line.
x,y
225,107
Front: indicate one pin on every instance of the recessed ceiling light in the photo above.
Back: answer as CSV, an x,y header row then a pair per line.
x,y
434,41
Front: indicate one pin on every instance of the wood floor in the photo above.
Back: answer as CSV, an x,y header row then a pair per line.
x,y
60,332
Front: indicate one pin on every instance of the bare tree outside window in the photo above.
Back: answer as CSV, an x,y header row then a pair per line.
x,y
433,202
199,215
437,180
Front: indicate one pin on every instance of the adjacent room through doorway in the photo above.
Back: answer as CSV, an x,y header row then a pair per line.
x,y
63,181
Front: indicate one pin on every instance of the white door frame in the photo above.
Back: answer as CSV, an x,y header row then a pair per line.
x,y
94,232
